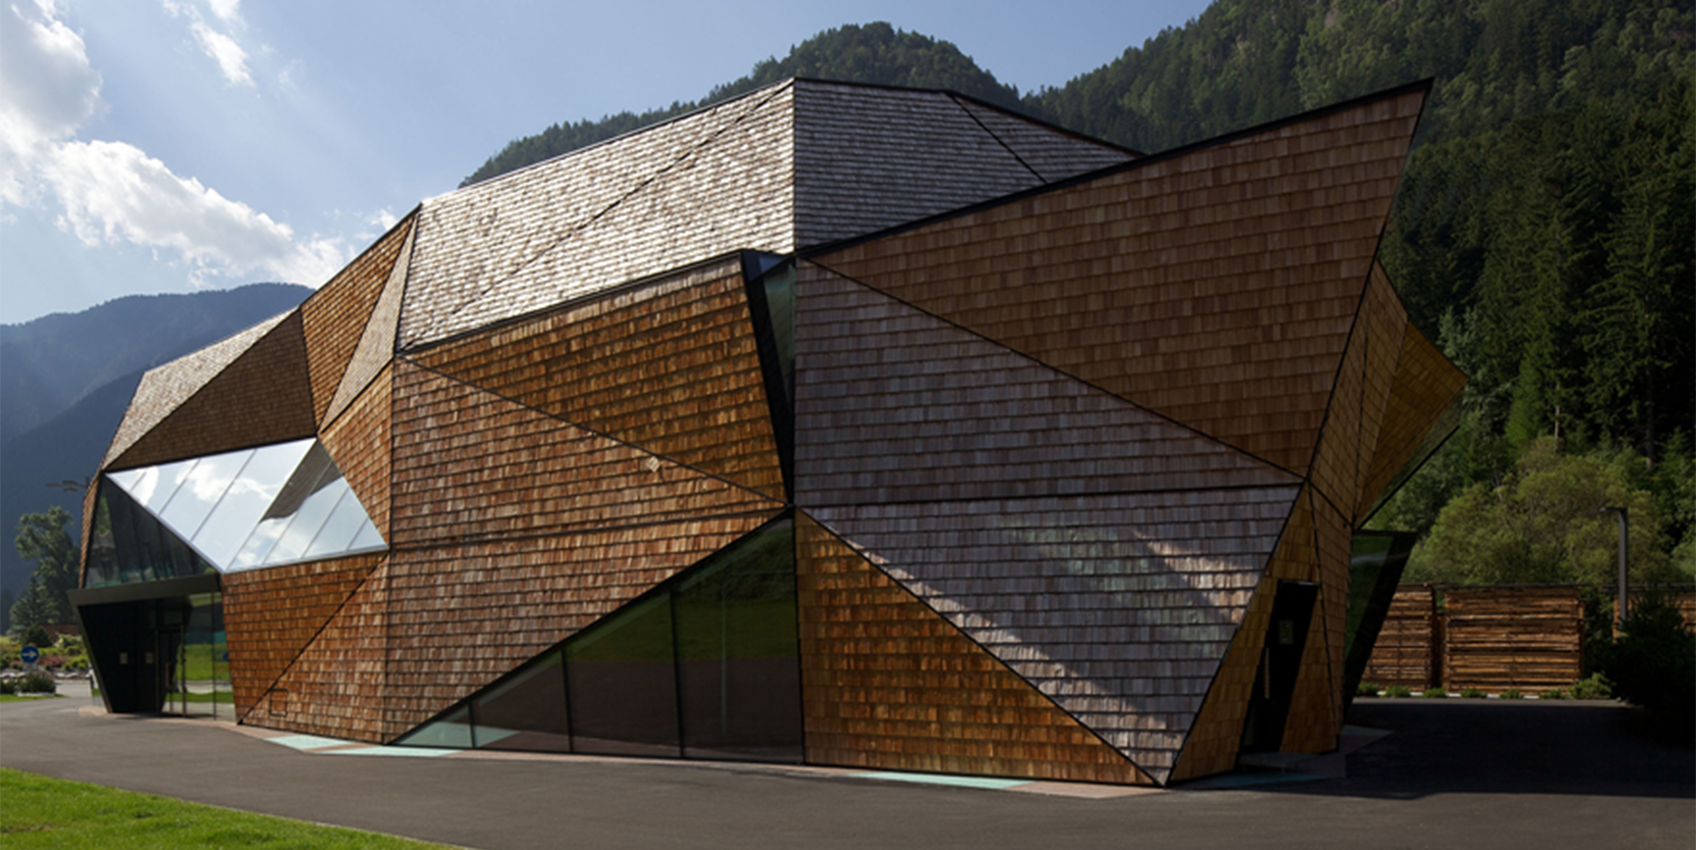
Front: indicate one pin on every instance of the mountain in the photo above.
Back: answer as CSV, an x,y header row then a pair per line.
x,y
66,380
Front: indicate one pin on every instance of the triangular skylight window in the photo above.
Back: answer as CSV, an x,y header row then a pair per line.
x,y
254,508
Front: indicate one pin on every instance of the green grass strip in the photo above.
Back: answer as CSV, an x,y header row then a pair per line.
x,y
39,811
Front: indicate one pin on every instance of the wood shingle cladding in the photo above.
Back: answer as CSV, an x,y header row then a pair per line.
x,y
336,316
1048,584
890,684
893,404
1215,286
271,616
1043,432
671,367
263,395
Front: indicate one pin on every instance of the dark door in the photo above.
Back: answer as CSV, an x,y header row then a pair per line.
x,y
1280,664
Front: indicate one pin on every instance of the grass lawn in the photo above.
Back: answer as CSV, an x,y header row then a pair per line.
x,y
27,697
43,812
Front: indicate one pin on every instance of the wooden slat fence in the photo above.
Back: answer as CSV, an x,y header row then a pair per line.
x,y
1526,638
1408,648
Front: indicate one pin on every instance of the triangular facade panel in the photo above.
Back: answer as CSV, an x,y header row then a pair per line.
x,y
338,685
376,347
1215,286
263,396
894,686
474,246
360,440
165,388
1424,386
461,615
1052,153
271,615
334,317
469,465
1043,583
671,368
903,406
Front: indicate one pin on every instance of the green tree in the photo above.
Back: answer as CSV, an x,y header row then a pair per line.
x,y
1542,524
42,539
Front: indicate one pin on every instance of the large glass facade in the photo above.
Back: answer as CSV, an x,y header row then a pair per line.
x,y
706,666
241,510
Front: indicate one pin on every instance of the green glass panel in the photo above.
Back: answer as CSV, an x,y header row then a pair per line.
x,y
738,666
780,304
527,710
621,683
1375,568
452,730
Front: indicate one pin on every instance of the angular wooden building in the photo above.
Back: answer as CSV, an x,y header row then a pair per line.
x,y
832,424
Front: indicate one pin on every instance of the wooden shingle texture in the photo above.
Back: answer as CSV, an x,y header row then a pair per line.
x,y
377,341
1050,152
359,441
1406,652
1499,638
889,684
893,404
263,396
1424,385
1218,730
478,250
334,318
337,685
462,615
271,616
164,388
1215,286
470,465
671,368
1119,607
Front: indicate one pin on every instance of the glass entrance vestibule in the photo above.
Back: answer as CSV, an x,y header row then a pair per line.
x,y
159,647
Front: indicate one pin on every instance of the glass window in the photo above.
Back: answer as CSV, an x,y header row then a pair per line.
x,y
451,730
621,683
527,711
239,510
738,666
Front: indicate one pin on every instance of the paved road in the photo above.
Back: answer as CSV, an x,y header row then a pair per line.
x,y
1454,774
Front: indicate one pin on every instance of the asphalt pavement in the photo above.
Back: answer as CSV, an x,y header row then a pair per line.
x,y
1451,773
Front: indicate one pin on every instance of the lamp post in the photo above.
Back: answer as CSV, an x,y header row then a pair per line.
x,y
1620,597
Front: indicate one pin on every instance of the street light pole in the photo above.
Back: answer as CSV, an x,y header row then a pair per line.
x,y
1620,597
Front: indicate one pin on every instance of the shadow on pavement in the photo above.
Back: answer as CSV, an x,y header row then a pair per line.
x,y
1590,748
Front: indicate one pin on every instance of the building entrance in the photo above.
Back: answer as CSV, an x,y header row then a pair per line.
x,y
1280,664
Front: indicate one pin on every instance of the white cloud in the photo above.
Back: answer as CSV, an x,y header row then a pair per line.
x,y
228,11
231,59
113,192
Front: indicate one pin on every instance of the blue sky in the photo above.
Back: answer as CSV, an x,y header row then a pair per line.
x,y
171,145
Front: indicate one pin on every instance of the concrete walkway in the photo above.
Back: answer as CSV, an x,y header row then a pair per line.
x,y
1453,773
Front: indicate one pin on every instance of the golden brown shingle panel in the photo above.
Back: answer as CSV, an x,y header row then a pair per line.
x,y
1217,734
377,341
165,388
359,442
893,404
469,464
460,616
1385,322
1119,607
1336,459
335,317
1334,534
670,367
1215,286
1425,383
887,683
337,685
272,614
264,396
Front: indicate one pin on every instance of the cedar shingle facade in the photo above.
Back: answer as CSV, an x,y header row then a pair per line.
x,y
833,423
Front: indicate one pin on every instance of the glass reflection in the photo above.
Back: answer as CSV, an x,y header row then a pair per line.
x,y
239,510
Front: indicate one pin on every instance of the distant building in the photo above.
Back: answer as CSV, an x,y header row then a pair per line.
x,y
834,423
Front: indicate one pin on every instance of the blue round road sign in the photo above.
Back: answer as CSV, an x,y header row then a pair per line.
x,y
30,654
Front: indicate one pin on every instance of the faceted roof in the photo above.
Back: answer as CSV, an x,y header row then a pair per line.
x,y
792,165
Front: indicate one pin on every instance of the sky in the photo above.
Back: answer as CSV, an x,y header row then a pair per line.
x,y
151,146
